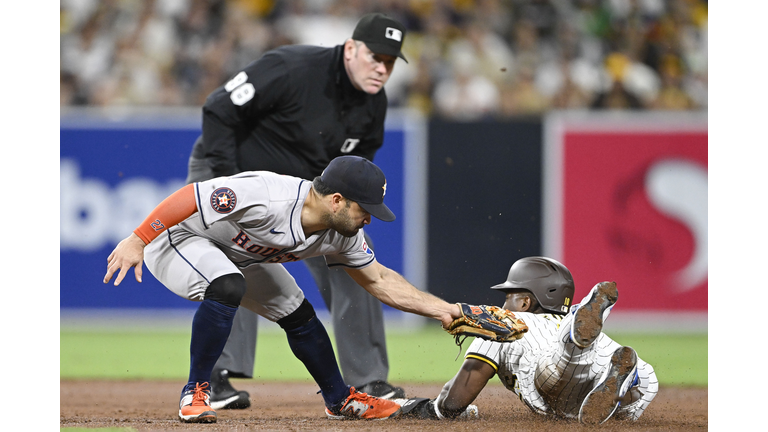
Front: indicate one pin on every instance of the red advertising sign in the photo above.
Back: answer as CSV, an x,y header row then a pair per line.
x,y
626,200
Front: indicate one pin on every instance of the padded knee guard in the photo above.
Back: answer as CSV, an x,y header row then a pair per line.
x,y
302,315
227,290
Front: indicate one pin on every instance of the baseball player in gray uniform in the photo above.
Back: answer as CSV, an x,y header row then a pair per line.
x,y
564,366
221,242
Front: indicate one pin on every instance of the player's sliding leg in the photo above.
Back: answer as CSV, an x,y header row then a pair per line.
x,y
569,366
310,343
590,314
618,377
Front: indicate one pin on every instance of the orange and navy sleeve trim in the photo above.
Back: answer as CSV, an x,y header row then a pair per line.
x,y
483,359
173,210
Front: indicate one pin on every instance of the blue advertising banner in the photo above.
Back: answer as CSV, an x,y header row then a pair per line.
x,y
114,172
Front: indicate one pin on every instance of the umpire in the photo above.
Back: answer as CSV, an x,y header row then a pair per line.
x,y
291,112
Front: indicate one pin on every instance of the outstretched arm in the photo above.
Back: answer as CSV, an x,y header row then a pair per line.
x,y
393,290
463,388
130,251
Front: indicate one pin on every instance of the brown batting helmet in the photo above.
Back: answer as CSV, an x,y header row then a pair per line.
x,y
548,280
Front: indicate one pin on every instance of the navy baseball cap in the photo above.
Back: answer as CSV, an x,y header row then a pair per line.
x,y
381,34
359,180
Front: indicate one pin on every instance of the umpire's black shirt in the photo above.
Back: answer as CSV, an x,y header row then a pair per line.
x,y
291,112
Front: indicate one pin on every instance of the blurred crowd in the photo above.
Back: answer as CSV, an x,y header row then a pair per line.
x,y
468,59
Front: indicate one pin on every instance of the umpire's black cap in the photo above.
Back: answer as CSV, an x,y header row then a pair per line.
x,y
359,180
381,34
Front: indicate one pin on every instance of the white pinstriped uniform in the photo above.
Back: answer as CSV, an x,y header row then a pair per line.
x,y
248,224
552,375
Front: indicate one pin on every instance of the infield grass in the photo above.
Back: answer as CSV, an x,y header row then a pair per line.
x,y
427,355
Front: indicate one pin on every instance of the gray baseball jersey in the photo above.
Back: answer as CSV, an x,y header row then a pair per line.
x,y
550,374
248,224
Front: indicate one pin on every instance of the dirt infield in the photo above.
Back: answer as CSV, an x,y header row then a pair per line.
x,y
152,406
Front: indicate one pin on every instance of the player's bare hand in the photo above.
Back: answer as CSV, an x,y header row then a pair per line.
x,y
128,253
454,312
